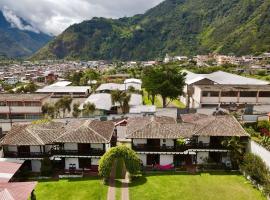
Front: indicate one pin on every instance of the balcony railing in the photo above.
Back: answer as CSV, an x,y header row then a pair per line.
x,y
182,148
13,154
92,152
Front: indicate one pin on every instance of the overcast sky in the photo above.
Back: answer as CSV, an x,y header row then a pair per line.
x,y
53,16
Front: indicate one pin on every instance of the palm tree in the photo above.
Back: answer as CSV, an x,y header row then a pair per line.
x,y
76,111
49,110
122,98
88,109
64,104
237,149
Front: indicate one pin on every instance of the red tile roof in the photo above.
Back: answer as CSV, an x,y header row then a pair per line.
x,y
16,191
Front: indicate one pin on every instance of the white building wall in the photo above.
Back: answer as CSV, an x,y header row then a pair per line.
x,y
70,146
260,151
94,161
35,149
107,146
167,142
142,157
202,156
36,165
166,159
139,141
204,139
12,148
96,146
196,97
69,161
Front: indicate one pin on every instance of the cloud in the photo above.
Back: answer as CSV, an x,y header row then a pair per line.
x,y
53,16
16,22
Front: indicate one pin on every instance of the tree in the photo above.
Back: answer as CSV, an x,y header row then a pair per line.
x,y
236,148
165,80
130,158
122,98
76,111
48,109
64,104
31,87
88,109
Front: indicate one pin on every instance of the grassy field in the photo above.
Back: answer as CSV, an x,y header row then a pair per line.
x,y
205,186
71,189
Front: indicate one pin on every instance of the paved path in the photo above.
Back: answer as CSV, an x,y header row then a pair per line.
x,y
125,192
111,190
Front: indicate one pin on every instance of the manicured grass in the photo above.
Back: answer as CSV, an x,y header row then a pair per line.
x,y
70,189
177,103
204,186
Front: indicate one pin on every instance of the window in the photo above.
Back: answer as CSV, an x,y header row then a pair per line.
x,y
264,94
210,94
248,94
3,103
229,93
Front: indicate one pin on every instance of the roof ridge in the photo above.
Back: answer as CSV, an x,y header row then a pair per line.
x,y
34,135
203,127
140,128
89,122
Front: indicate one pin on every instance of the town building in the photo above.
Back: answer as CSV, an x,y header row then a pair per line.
x,y
20,108
194,141
72,146
224,89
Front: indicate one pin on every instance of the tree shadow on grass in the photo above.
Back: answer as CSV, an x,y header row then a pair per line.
x,y
138,181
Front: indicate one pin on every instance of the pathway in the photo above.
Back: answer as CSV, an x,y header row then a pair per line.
x,y
111,190
125,192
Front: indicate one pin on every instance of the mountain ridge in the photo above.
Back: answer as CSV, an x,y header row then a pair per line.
x,y
15,43
183,27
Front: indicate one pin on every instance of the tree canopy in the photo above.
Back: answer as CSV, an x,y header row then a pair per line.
x,y
166,80
130,158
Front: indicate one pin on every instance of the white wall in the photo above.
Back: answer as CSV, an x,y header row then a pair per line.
x,y
201,156
12,148
71,146
35,149
142,157
166,159
36,165
96,146
107,146
139,141
260,151
71,161
94,161
167,142
204,139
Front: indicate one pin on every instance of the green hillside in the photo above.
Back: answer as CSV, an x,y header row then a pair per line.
x,y
177,27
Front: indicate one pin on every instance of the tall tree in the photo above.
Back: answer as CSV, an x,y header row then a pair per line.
x,y
76,111
166,80
122,98
88,109
64,104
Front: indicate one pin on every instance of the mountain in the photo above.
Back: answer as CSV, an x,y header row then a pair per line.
x,y
177,27
15,42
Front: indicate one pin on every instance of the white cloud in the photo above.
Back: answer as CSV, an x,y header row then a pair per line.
x,y
53,16
16,22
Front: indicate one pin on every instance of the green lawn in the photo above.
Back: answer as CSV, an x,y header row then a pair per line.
x,y
71,189
204,186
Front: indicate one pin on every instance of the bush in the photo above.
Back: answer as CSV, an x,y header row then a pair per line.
x,y
254,166
132,162
46,167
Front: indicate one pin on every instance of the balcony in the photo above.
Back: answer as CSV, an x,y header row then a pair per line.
x,y
92,152
147,148
14,154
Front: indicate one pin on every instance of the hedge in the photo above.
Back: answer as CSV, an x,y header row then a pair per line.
x,y
130,158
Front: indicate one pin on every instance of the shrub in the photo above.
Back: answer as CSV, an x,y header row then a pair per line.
x,y
132,162
254,166
46,167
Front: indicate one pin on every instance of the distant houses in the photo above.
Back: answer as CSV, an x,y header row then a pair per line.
x,y
224,89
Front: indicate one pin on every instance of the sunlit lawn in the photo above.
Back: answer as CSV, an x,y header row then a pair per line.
x,y
205,186
72,189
